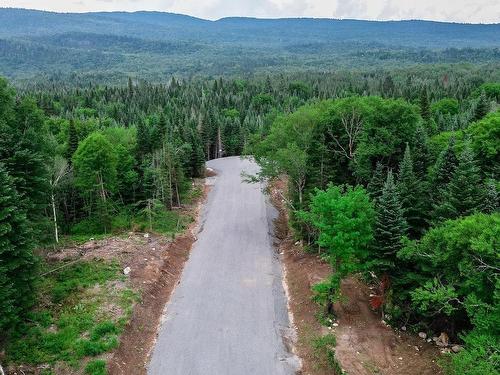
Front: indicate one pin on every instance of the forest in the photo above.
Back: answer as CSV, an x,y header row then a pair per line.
x,y
404,190
393,172
112,46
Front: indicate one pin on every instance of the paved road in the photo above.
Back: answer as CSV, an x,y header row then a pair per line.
x,y
228,314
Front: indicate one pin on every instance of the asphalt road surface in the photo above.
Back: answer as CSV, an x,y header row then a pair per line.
x,y
228,315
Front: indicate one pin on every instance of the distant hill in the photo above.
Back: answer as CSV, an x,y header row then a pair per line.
x,y
155,44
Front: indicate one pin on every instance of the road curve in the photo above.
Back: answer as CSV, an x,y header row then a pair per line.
x,y
228,314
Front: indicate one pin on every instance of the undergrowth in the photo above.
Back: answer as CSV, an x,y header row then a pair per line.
x,y
82,310
324,353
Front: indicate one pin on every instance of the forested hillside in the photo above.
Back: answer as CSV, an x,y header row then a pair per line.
x,y
388,133
153,45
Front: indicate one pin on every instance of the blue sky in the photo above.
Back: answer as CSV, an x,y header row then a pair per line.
x,y
474,11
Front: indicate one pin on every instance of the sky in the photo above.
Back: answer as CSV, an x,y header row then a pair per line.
x,y
472,11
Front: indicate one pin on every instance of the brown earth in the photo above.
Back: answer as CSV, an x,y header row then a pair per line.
x,y
365,345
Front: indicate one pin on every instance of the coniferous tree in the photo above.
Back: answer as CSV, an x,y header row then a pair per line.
x,y
390,225
425,108
16,257
490,202
443,172
143,142
420,152
376,184
72,140
463,193
482,107
410,193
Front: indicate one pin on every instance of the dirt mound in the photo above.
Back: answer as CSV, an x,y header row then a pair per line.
x,y
365,345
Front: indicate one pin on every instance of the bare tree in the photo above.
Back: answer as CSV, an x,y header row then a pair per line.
x,y
352,124
59,169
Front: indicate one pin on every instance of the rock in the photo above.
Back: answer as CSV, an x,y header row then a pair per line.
x,y
443,339
429,340
146,235
456,348
403,328
435,338
126,270
422,335
335,324
416,348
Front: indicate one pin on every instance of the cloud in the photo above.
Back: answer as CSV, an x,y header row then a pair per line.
x,y
487,11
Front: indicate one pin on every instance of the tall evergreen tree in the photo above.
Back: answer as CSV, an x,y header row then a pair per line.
x,y
421,152
410,192
463,193
17,261
376,184
72,140
443,171
143,144
390,226
425,108
482,107
490,201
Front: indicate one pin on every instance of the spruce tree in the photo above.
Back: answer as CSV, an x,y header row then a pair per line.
x,y
17,261
377,182
463,193
482,107
421,152
410,193
390,225
490,202
72,140
425,108
443,171
143,145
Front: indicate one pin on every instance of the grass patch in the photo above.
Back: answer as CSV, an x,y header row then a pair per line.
x,y
74,319
324,353
96,367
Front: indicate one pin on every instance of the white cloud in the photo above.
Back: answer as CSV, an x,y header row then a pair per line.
x,y
487,11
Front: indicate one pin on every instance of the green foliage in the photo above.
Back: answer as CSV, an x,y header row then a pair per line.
x,y
324,352
485,141
96,367
482,107
446,106
413,201
425,109
17,262
458,258
481,356
390,226
71,323
463,193
376,184
95,166
343,217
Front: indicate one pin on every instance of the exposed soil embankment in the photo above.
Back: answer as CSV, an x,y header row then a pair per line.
x,y
365,345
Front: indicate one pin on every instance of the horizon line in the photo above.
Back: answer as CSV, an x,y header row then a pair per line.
x,y
251,17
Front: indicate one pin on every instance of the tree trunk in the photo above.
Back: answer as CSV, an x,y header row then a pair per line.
x,y
56,234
